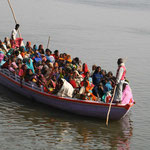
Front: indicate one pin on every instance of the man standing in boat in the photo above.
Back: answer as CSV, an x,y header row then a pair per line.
x,y
15,42
120,78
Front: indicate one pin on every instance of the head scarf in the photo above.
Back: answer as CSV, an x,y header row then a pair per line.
x,y
37,59
69,58
30,65
35,48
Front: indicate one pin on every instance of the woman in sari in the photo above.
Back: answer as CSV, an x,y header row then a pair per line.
x,y
29,64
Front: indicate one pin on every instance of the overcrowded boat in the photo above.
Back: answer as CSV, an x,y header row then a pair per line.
x,y
63,82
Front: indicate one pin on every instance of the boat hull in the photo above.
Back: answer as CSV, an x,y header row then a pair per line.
x,y
80,107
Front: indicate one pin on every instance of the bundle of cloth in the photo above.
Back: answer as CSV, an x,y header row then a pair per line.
x,y
66,89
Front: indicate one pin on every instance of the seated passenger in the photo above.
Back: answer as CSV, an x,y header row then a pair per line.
x,y
66,89
44,68
49,56
14,65
109,75
1,58
127,96
38,57
3,47
86,91
56,55
18,55
42,80
72,82
29,76
20,70
93,70
41,49
29,64
103,73
22,51
84,70
35,48
97,76
78,78
87,75
68,59
28,46
7,42
107,86
98,90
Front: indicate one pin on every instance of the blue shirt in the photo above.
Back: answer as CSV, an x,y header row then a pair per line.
x,y
107,87
97,78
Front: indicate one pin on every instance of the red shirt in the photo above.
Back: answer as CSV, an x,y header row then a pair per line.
x,y
73,83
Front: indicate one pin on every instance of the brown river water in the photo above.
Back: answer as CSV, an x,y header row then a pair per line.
x,y
99,32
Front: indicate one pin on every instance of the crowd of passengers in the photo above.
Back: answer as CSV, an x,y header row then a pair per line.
x,y
51,69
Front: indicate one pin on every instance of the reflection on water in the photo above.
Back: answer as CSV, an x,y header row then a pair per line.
x,y
28,124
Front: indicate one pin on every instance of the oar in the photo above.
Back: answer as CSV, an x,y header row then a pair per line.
x,y
48,42
110,105
14,16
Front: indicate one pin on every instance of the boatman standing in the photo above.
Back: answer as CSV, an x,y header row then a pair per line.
x,y
120,79
15,42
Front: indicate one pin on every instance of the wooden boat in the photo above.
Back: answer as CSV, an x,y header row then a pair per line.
x,y
76,106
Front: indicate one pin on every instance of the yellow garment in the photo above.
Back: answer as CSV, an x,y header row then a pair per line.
x,y
68,58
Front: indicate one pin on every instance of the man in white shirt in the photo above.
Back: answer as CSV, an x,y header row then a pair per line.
x,y
120,79
15,42
14,32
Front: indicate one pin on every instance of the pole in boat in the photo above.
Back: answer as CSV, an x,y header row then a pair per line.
x,y
48,42
13,16
110,105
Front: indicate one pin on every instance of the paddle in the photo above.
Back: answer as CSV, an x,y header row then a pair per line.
x,y
110,105
14,17
48,42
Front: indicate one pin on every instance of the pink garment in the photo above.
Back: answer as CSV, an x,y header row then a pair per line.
x,y
11,69
54,84
14,65
127,96
17,43
124,72
1,57
44,58
20,73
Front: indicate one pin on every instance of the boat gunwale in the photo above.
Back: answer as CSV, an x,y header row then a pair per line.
x,y
125,106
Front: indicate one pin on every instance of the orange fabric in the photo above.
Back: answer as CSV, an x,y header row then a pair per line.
x,y
28,44
56,64
85,69
23,54
68,58
88,89
61,58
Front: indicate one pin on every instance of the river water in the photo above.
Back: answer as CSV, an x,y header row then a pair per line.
x,y
99,32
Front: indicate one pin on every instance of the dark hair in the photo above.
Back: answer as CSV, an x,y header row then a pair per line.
x,y
17,26
77,60
48,50
56,51
120,60
110,73
96,71
16,53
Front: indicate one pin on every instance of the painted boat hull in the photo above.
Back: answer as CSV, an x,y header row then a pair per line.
x,y
80,107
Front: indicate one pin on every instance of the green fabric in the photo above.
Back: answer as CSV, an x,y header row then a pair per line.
x,y
104,97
